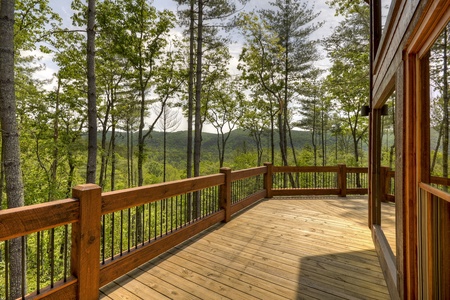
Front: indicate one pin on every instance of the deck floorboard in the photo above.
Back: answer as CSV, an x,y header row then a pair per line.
x,y
282,248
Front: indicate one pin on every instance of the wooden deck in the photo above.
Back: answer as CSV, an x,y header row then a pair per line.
x,y
282,248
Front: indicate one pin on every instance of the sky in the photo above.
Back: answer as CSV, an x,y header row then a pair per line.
x,y
62,7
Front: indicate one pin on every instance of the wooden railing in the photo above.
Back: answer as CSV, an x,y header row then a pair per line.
x,y
433,227
97,237
339,180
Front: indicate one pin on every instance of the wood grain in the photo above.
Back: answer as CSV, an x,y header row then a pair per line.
x,y
283,248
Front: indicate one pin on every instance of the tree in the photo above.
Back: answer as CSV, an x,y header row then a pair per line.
x,y
291,21
348,81
204,19
224,112
439,74
140,37
277,55
92,95
170,121
10,135
21,25
255,121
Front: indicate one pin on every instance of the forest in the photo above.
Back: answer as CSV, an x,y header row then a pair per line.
x,y
129,74
135,87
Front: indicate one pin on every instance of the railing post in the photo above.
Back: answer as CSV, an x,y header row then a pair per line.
x,y
342,180
225,194
85,254
268,180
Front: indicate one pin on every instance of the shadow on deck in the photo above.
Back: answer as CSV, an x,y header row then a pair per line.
x,y
303,248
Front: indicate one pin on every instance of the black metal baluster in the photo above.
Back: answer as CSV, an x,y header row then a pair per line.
x,y
113,230
52,257
66,246
38,263
24,246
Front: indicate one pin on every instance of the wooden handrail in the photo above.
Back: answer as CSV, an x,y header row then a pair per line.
x,y
242,174
84,211
123,199
16,222
304,169
435,192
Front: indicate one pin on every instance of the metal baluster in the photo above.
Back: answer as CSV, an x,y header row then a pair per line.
x,y
113,230
129,229
52,257
156,217
176,212
149,222
6,270
38,263
121,232
66,241
103,238
167,216
143,225
23,266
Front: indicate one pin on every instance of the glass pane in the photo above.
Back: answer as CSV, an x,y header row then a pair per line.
x,y
388,171
439,111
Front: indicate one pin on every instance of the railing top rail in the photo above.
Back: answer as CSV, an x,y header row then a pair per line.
x,y
435,192
16,222
123,199
356,169
241,174
440,180
294,169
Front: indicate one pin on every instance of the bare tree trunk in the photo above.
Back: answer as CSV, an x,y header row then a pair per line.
x,y
198,92
272,135
104,153
141,138
445,122
164,144
128,155
54,166
2,177
438,144
92,97
190,91
10,136
198,106
113,143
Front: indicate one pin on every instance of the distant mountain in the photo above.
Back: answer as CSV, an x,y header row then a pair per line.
x,y
239,140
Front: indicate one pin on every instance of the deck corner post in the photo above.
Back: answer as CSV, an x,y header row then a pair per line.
x,y
86,235
268,179
342,180
225,194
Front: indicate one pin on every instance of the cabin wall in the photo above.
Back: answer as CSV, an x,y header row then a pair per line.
x,y
399,64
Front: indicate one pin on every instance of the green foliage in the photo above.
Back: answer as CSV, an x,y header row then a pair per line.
x,y
348,81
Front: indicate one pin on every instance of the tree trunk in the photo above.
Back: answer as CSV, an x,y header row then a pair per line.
x,y
92,97
198,92
272,135
54,166
2,177
198,107
104,154
128,155
10,136
113,144
164,144
323,134
141,138
190,91
445,139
